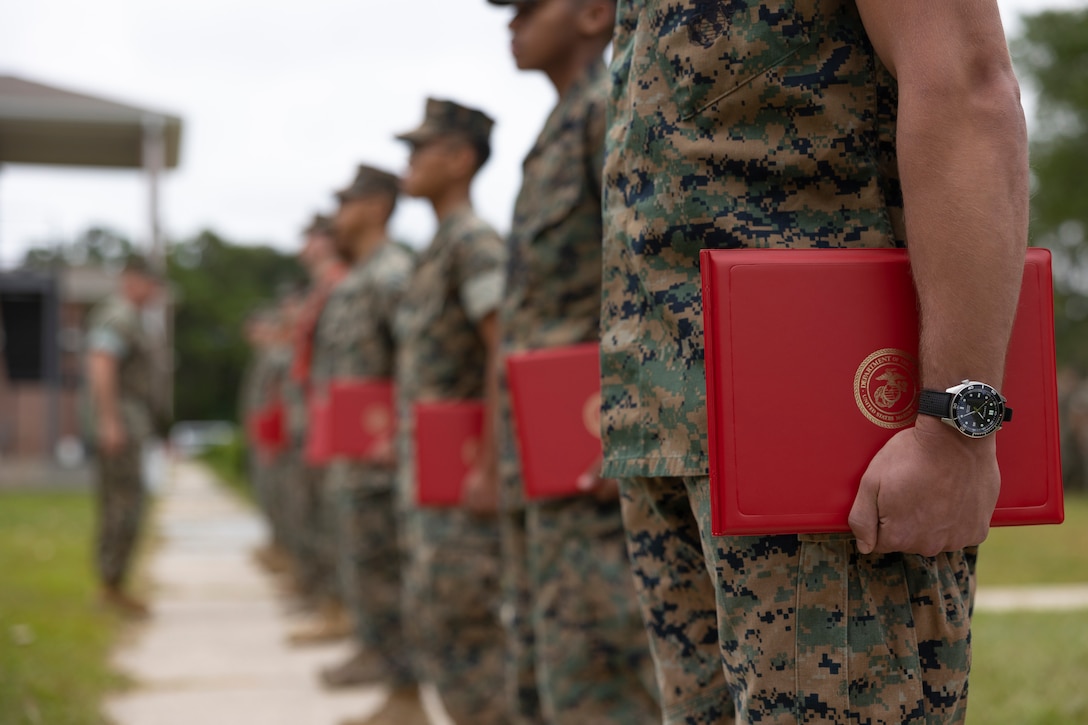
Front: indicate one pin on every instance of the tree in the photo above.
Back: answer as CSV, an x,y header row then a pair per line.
x,y
215,285
96,246
218,284
1052,55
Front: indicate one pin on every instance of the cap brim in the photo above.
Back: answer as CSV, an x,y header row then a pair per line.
x,y
420,135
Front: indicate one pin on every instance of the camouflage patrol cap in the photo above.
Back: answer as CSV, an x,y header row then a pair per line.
x,y
369,180
447,117
320,224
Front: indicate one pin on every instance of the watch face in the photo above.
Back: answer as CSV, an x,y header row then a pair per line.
x,y
978,410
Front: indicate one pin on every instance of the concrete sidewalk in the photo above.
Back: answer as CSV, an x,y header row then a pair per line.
x,y
215,651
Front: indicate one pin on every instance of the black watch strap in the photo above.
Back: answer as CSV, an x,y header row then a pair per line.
x,y
936,403
939,404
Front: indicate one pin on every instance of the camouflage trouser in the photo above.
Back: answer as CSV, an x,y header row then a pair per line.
x,y
369,562
522,696
265,478
794,629
592,657
451,598
121,497
310,531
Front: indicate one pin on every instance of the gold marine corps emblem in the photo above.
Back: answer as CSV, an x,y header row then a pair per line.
x,y
886,388
591,415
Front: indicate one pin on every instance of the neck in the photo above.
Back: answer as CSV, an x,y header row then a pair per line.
x,y
367,241
574,66
327,271
451,199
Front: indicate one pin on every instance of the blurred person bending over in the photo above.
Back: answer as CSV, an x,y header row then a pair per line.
x,y
576,648
447,338
121,413
355,343
808,124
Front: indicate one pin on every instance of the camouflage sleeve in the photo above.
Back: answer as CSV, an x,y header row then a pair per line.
x,y
480,272
321,362
394,283
109,332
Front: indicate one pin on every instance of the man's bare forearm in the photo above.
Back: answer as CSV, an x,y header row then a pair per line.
x,y
963,160
962,148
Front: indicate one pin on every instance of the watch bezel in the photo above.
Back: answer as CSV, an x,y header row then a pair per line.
x,y
971,386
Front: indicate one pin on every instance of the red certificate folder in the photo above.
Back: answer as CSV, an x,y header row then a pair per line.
x,y
318,449
447,438
361,416
811,368
266,427
556,396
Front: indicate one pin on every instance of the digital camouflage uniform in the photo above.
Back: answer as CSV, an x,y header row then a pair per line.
x,y
261,386
355,341
576,650
271,478
115,327
311,532
771,125
451,583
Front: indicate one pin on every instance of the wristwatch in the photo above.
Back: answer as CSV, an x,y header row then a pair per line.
x,y
973,408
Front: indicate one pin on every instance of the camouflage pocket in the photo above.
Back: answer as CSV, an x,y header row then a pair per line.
x,y
709,50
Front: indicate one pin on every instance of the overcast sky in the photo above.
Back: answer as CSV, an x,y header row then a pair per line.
x,y
279,102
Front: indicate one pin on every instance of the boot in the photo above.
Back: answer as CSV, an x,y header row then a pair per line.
x,y
116,600
331,625
272,559
404,707
362,668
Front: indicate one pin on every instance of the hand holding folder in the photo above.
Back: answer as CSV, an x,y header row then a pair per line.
x,y
811,361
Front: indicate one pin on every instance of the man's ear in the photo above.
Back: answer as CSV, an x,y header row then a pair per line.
x,y
596,18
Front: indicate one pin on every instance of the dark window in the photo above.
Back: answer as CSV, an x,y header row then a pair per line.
x,y
23,322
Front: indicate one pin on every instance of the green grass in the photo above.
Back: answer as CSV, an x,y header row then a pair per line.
x,y
54,641
1028,555
1029,669
228,462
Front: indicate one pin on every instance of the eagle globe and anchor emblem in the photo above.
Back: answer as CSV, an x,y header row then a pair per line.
x,y
886,388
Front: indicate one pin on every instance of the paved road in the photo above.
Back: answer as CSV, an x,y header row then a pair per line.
x,y
215,652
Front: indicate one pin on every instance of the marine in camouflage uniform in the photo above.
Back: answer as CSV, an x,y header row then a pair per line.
x,y
770,125
120,412
315,571
255,392
355,342
277,370
576,649
451,584
263,387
